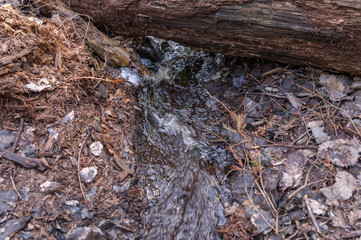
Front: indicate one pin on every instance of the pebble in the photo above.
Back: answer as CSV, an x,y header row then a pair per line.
x,y
84,233
96,148
72,203
88,174
49,186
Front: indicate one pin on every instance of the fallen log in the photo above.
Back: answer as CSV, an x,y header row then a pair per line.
x,y
321,33
26,162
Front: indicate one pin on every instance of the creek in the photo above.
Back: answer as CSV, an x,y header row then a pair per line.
x,y
180,161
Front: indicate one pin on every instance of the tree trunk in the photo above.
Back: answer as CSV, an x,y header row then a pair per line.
x,y
321,33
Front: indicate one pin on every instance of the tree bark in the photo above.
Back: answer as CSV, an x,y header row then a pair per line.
x,y
320,33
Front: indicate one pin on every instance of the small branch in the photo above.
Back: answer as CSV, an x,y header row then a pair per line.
x,y
26,162
353,234
81,148
287,146
14,186
311,215
21,126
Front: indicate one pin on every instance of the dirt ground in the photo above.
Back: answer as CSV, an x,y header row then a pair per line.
x,y
67,135
56,106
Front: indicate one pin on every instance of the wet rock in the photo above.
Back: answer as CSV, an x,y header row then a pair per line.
x,y
6,138
49,186
130,76
92,192
88,174
318,131
72,203
96,148
150,49
12,226
341,152
84,233
343,188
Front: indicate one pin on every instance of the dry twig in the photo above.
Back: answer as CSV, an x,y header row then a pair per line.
x,y
79,154
21,126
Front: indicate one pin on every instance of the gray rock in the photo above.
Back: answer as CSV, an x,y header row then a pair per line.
x,y
88,174
72,203
96,148
49,186
84,233
1,179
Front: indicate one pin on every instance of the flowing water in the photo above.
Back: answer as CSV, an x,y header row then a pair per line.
x,y
179,166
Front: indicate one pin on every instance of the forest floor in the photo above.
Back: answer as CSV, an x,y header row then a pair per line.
x,y
67,143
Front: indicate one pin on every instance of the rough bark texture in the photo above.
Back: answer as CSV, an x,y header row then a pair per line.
x,y
321,33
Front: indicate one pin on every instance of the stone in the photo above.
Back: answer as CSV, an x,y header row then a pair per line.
x,y
88,174
72,203
84,233
1,179
49,186
96,148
